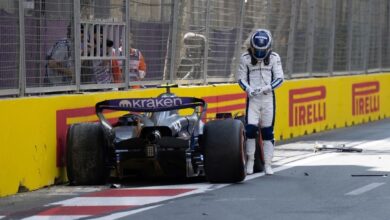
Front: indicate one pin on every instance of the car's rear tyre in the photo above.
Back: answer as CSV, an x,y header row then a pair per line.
x,y
223,144
85,154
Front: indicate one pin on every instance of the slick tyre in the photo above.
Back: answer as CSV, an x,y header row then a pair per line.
x,y
223,142
85,154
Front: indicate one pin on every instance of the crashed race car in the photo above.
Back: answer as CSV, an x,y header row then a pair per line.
x,y
152,138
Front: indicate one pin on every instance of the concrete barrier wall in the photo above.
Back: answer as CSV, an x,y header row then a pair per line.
x,y
33,129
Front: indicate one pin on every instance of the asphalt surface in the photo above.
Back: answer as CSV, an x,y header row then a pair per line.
x,y
306,185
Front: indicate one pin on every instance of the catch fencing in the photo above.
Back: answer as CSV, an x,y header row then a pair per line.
x,y
68,46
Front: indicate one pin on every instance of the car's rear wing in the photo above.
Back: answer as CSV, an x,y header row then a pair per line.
x,y
148,105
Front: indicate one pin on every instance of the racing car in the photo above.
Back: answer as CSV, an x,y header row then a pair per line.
x,y
162,136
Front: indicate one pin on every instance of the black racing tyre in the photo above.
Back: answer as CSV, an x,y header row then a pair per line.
x,y
86,154
224,156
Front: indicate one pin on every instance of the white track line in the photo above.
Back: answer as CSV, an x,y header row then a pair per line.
x,y
296,162
124,214
284,164
56,217
380,144
112,201
218,186
139,201
364,189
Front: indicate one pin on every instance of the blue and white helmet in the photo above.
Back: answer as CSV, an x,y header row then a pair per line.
x,y
261,44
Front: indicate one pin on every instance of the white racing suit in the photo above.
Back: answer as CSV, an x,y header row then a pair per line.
x,y
260,81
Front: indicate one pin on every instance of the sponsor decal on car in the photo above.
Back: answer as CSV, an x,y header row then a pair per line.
x,y
151,103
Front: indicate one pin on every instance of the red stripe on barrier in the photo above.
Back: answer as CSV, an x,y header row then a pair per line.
x,y
224,98
83,210
226,108
312,94
366,88
137,192
62,127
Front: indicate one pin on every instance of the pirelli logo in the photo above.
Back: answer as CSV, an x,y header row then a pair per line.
x,y
365,98
307,106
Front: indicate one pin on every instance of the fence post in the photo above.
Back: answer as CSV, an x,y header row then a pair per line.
x,y
349,36
173,40
310,36
206,44
332,38
239,38
22,51
126,47
77,43
367,36
381,27
291,40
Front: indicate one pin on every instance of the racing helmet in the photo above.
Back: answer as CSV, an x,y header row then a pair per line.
x,y
261,44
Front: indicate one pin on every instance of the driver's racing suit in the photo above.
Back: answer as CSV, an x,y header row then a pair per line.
x,y
259,80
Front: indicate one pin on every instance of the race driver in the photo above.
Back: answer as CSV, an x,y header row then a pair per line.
x,y
259,74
